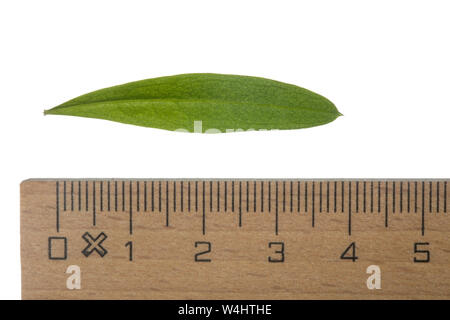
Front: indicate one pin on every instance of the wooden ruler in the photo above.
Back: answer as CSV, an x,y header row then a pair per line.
x,y
235,239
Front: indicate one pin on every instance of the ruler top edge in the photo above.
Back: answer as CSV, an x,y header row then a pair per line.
x,y
233,179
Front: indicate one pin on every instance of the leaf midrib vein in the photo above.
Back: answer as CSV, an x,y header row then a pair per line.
x,y
193,101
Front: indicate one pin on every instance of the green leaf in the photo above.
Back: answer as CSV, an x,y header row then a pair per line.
x,y
221,102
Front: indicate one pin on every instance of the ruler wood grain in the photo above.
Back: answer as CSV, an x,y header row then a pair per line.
x,y
235,239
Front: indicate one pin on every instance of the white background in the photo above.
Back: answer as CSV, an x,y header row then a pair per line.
x,y
385,64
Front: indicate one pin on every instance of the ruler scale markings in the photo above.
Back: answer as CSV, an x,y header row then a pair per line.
x,y
226,196
57,206
284,196
101,196
71,195
328,196
167,203
138,200
415,196
401,196
262,196
276,208
431,196
393,196
64,196
423,208
409,197
182,196
232,196
203,210
306,196
270,195
320,196
335,196
196,196
115,195
247,194
94,214
174,196
291,194
254,196
131,207
240,203
87,196
386,213
438,195
123,196
379,197
153,196
349,208
364,197
210,196
298,196
109,196
313,193
79,195
189,196
342,197
145,196
371,196
357,197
